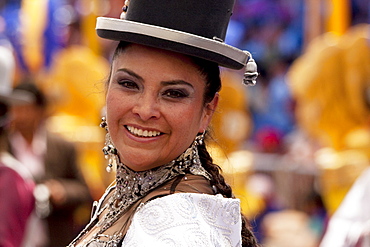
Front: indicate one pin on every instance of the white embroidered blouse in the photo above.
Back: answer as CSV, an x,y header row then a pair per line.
x,y
186,219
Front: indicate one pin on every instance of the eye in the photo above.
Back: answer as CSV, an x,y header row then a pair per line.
x,y
128,84
175,93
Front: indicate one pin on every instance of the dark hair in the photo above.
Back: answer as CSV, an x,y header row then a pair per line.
x,y
3,116
28,85
211,73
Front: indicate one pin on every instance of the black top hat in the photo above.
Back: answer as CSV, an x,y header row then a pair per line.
x,y
192,27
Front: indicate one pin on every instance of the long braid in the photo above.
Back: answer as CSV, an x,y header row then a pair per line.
x,y
218,181
248,238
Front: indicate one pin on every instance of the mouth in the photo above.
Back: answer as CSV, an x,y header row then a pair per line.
x,y
142,133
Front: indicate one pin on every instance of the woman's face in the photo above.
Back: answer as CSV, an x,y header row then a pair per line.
x,y
155,106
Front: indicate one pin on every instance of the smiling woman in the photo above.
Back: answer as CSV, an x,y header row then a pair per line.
x,y
169,104
161,94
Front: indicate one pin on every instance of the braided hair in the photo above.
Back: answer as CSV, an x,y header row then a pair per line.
x,y
211,73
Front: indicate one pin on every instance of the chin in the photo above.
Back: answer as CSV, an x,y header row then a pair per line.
x,y
131,162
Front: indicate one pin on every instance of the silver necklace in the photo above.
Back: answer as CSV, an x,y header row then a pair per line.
x,y
131,186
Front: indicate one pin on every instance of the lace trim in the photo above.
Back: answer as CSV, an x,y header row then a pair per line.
x,y
131,186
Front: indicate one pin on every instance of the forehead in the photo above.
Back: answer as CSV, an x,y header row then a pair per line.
x,y
157,62
143,50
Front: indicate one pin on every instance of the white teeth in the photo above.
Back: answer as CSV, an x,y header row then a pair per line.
x,y
143,133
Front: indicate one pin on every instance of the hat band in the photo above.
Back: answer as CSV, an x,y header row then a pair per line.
x,y
188,39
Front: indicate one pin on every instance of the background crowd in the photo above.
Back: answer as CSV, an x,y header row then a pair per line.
x,y
292,146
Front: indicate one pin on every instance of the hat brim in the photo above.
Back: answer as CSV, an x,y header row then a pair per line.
x,y
16,98
169,39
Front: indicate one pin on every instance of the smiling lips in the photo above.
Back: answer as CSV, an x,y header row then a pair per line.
x,y
142,133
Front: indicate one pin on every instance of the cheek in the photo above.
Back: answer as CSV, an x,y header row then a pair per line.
x,y
116,106
185,122
110,106
23,114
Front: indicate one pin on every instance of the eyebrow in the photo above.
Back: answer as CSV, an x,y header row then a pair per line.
x,y
164,83
131,73
176,82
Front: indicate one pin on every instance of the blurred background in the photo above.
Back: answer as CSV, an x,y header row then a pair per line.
x,y
292,146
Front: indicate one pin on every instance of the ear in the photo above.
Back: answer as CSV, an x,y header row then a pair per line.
x,y
209,109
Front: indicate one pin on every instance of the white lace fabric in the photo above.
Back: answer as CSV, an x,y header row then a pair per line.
x,y
186,219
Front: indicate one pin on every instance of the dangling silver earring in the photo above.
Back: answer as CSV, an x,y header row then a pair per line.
x,y
109,150
199,139
196,168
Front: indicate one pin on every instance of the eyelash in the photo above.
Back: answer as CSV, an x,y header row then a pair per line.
x,y
175,93
128,84
170,93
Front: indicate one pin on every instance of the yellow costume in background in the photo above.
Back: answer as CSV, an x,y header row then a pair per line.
x,y
330,82
76,83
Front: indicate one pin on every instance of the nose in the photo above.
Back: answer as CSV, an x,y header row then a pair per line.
x,y
147,107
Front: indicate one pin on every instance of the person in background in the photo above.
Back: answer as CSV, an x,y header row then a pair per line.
x,y
349,226
16,183
161,94
52,161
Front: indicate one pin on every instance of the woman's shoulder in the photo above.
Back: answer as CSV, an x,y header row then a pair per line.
x,y
192,218
193,184
184,184
209,207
